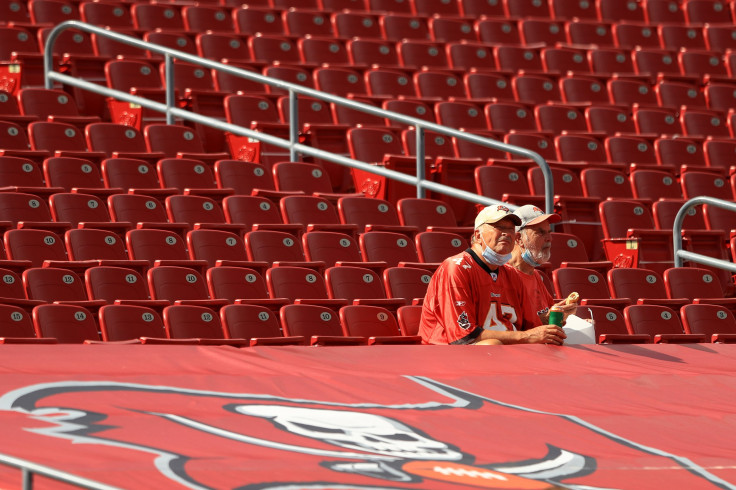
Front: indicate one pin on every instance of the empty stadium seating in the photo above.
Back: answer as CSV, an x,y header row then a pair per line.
x,y
630,102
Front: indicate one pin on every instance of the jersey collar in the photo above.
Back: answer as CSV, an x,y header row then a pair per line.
x,y
483,265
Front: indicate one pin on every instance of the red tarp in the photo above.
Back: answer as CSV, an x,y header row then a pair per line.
x,y
429,417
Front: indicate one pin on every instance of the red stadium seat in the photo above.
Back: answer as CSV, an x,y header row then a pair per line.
x,y
409,283
377,324
181,286
66,323
120,285
715,322
395,27
661,322
408,319
393,248
276,246
256,323
241,285
318,324
301,286
56,285
641,286
219,248
359,286
589,284
133,324
610,326
436,246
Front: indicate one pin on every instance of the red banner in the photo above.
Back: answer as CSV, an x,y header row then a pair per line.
x,y
439,417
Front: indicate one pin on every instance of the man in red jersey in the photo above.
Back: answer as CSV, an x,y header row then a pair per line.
x,y
533,248
473,299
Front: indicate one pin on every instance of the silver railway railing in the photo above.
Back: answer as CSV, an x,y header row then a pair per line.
x,y
29,469
295,148
682,255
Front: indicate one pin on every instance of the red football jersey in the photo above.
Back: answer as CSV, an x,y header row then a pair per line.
x,y
539,299
465,296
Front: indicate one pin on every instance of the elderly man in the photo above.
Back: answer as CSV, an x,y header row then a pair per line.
x,y
533,248
473,299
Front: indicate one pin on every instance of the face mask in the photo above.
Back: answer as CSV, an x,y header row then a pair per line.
x,y
527,256
493,257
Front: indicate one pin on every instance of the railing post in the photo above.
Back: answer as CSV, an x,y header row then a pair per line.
x,y
170,94
27,476
420,161
293,125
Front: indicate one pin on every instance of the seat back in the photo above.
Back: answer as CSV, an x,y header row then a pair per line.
x,y
691,283
127,322
607,320
112,283
330,247
294,176
15,322
270,246
406,282
176,283
408,318
250,210
193,209
586,282
53,284
234,283
242,177
18,206
361,211
636,283
34,245
192,322
367,321
436,246
308,210
66,323
214,245
77,208
183,173
309,320
152,245
295,282
423,213
91,244
707,319
249,321
69,172
129,173
652,320
353,283
389,247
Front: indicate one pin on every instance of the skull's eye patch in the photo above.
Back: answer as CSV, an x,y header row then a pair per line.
x,y
398,437
315,428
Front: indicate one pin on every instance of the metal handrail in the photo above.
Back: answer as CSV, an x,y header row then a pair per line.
x,y
30,468
682,255
295,148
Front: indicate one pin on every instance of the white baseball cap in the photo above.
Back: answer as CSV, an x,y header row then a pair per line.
x,y
494,213
532,215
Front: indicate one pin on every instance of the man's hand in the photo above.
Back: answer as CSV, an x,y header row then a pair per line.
x,y
545,334
567,309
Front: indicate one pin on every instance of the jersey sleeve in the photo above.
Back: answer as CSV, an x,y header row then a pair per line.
x,y
454,302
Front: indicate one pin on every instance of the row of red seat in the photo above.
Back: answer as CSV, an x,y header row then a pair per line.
x,y
412,54
163,284
144,15
242,324
708,141
236,325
